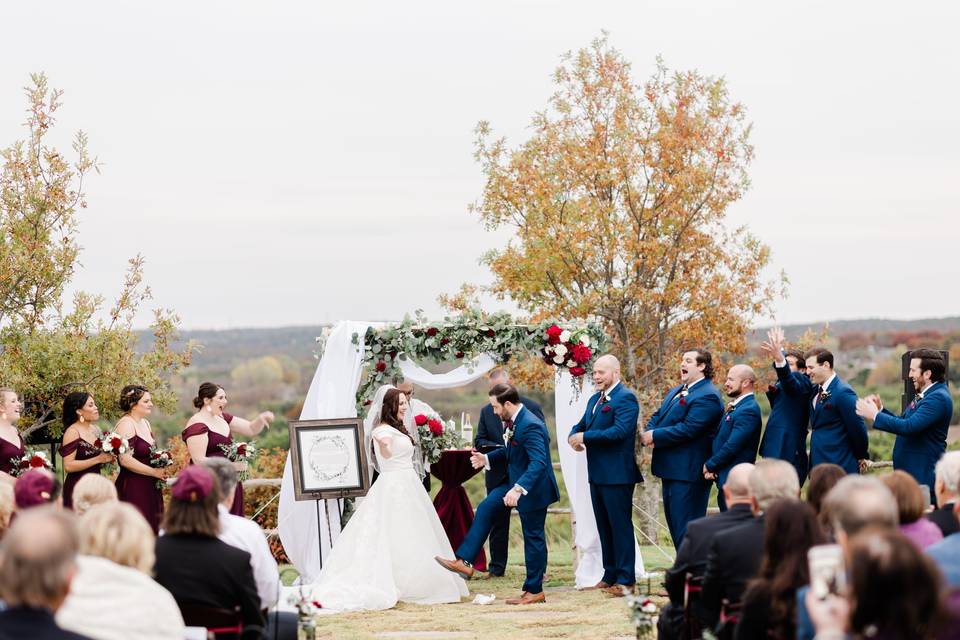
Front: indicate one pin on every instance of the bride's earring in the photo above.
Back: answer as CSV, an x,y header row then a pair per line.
x,y
82,420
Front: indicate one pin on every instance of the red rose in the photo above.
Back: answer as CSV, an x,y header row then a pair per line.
x,y
381,366
491,333
36,462
436,427
581,354
392,353
116,443
458,354
444,341
553,334
683,401
576,372
420,419
432,331
367,403
241,450
317,604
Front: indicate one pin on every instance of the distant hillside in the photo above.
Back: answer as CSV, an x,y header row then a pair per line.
x,y
866,325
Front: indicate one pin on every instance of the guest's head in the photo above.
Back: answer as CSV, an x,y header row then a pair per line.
x,y
211,398
37,487
823,478
947,482
606,371
79,406
926,367
38,559
795,360
736,490
907,493
226,476
395,407
772,480
498,375
136,400
7,507
10,405
505,400
696,364
895,589
193,504
407,389
116,531
819,365
740,380
92,489
857,502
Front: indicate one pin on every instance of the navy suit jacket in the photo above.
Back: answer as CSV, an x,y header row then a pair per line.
x,y
839,435
489,436
921,433
785,436
683,430
528,462
610,435
737,438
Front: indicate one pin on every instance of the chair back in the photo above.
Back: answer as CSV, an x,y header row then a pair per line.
x,y
692,586
729,616
222,624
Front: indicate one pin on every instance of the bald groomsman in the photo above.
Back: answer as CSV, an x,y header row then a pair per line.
x,y
738,433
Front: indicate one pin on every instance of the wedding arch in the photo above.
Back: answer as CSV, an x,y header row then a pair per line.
x,y
356,358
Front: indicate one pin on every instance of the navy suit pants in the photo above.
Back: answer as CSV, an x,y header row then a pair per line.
x,y
613,510
682,502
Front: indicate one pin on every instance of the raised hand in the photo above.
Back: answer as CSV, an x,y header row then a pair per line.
x,y
867,408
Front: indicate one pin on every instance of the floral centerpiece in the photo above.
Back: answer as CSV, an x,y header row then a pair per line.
x,y
240,452
306,608
160,459
29,460
436,435
567,349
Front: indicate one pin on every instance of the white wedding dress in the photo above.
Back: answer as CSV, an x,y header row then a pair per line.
x,y
386,552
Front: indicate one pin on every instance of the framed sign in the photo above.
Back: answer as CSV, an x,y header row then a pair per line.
x,y
329,460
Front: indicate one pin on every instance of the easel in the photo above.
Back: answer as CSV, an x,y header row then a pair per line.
x,y
339,496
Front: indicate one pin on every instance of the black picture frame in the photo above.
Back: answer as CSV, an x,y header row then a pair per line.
x,y
329,459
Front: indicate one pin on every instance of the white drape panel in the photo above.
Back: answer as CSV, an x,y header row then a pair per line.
x,y
573,466
462,375
332,394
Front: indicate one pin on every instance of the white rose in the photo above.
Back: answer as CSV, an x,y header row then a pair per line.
x,y
558,359
560,350
572,364
585,340
564,336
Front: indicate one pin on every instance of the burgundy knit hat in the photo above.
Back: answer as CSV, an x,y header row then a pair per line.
x,y
193,484
34,487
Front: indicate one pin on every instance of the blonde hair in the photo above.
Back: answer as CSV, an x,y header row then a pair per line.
x,y
116,531
92,489
6,507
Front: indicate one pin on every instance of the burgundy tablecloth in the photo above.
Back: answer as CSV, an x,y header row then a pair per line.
x,y
452,504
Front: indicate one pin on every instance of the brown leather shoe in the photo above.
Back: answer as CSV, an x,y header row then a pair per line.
x,y
619,590
528,598
458,566
599,585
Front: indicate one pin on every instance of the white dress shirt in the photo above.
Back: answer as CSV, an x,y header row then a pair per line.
x,y
486,460
823,388
248,536
605,394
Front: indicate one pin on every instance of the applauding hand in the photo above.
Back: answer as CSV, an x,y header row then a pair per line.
x,y
868,407
478,460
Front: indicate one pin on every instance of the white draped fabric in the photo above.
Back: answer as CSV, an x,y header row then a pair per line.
x,y
573,465
462,375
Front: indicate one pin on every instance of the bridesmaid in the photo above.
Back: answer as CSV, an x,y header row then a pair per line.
x,y
211,426
137,482
11,444
80,451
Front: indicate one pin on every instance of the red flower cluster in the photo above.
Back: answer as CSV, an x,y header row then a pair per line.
x,y
381,366
436,427
242,449
116,443
573,354
420,419
33,462
432,331
553,334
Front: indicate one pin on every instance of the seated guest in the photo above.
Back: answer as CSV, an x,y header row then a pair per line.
x,y
192,564
91,490
770,602
736,553
116,547
946,554
823,477
37,563
37,487
6,507
910,505
945,490
692,555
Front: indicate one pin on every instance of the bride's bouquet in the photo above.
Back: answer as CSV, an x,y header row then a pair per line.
x,y
240,452
30,460
436,435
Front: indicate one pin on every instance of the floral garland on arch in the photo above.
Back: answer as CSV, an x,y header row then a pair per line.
x,y
563,345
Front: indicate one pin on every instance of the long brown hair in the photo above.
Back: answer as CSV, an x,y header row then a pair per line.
x,y
390,413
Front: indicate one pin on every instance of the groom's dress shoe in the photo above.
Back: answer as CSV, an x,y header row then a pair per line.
x,y
619,590
458,566
528,598
599,585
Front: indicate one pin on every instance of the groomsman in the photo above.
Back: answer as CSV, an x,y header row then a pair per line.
x,y
489,436
608,432
785,436
922,429
681,435
738,433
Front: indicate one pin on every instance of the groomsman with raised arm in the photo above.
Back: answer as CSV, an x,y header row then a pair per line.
x,y
681,434
785,436
921,430
608,432
738,433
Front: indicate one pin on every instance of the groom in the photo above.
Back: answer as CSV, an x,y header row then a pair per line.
x,y
532,487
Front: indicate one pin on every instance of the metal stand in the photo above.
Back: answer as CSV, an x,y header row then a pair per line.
x,y
326,510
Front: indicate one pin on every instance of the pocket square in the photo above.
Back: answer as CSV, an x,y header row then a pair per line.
x,y
605,409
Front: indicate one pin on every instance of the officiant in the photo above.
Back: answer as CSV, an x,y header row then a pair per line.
x,y
489,436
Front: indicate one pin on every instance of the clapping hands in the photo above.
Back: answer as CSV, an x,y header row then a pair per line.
x,y
478,460
869,407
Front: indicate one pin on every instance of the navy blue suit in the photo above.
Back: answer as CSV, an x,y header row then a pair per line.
x,y
736,441
921,433
489,436
610,436
785,436
529,466
839,435
683,429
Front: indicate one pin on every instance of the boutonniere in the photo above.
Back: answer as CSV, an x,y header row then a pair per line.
x,y
513,443
606,408
683,400
823,396
508,434
772,389
728,417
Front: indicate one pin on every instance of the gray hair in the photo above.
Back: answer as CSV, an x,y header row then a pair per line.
x,y
738,480
225,475
948,471
38,558
856,502
773,480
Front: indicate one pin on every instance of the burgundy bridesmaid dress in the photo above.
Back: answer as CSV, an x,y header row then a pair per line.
x,y
214,440
139,490
10,454
84,451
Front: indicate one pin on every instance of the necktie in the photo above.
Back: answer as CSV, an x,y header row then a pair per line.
x,y
679,394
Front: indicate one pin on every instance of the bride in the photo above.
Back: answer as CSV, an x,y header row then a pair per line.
x,y
385,553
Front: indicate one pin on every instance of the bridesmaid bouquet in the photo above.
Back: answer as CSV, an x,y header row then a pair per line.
x,y
160,459
114,444
30,460
240,452
436,435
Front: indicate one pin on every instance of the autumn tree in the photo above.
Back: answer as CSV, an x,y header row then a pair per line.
x,y
49,348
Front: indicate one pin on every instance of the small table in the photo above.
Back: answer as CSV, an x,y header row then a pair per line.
x,y
452,504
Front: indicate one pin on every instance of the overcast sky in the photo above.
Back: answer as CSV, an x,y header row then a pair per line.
x,y
285,163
